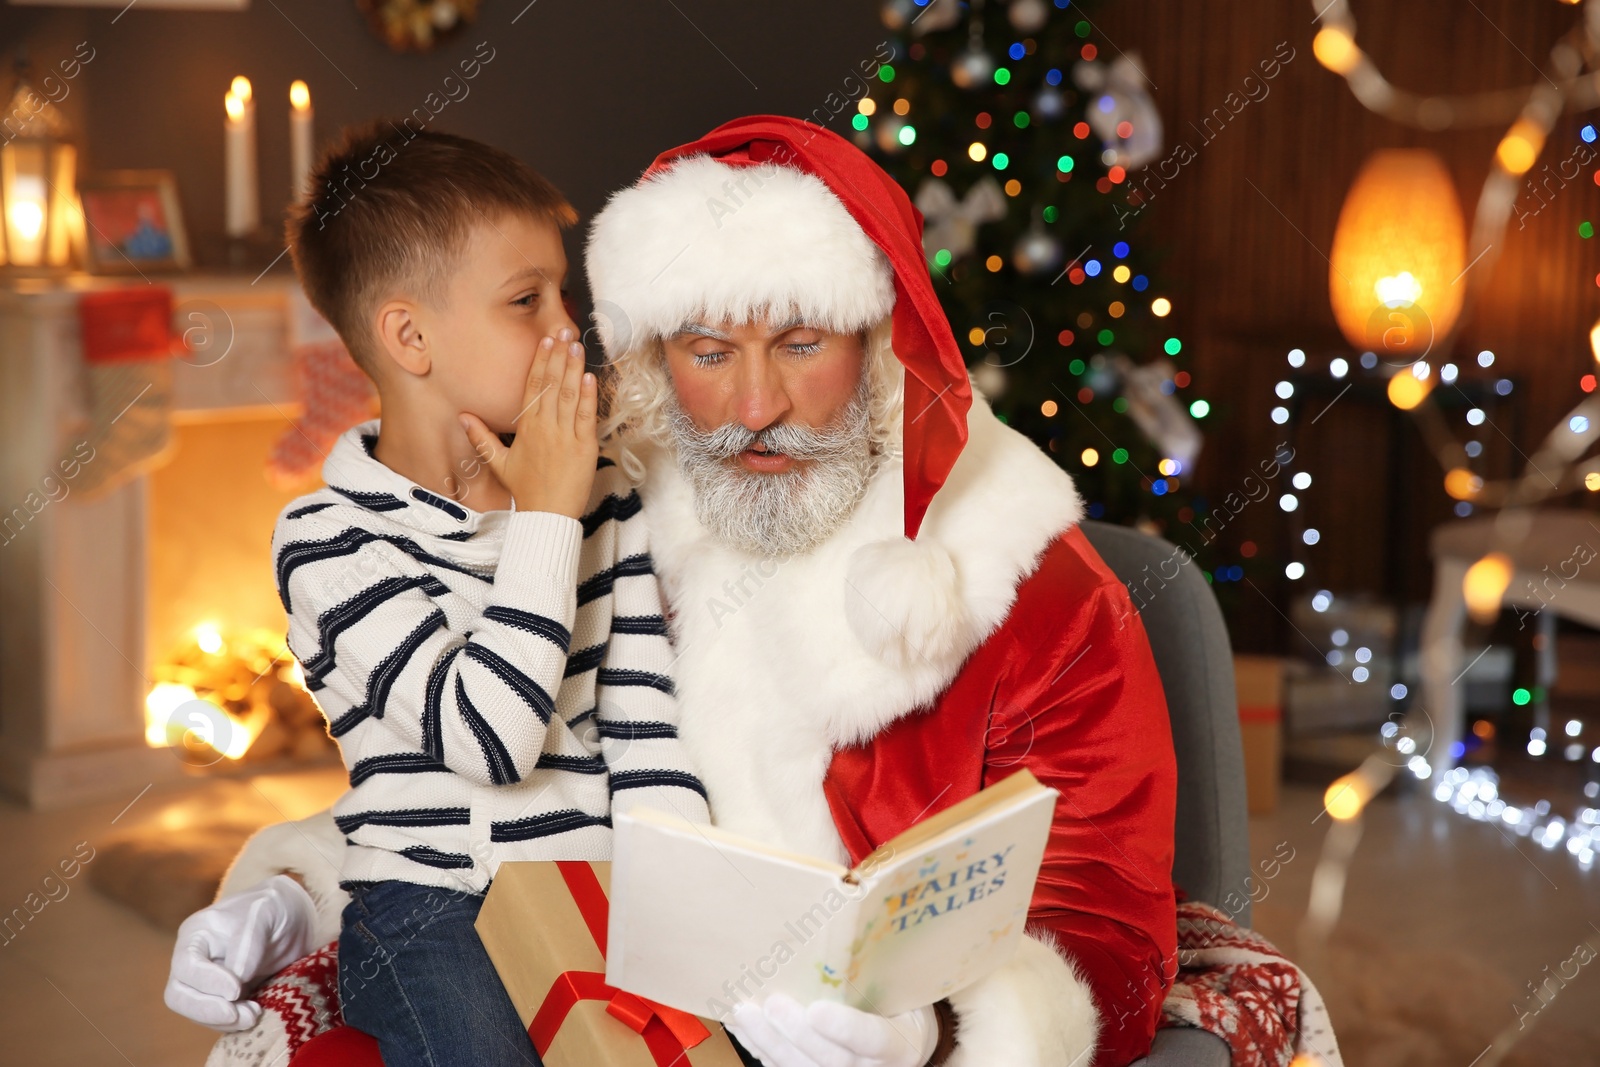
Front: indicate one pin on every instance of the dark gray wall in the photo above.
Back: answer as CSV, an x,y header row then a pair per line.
x,y
587,91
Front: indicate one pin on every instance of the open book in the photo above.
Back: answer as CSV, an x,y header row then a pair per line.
x,y
702,918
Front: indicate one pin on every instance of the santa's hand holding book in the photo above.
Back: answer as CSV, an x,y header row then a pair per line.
x,y
783,1033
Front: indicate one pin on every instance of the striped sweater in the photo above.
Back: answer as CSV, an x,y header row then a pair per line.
x,y
497,681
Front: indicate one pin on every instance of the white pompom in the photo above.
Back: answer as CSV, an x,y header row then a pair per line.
x,y
903,599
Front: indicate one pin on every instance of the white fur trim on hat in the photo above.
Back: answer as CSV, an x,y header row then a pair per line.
x,y
709,241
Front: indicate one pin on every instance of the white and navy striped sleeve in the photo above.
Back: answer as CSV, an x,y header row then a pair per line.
x,y
636,704
377,651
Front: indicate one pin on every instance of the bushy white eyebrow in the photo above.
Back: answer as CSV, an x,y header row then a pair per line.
x,y
700,329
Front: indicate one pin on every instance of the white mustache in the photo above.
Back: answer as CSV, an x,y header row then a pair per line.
x,y
788,438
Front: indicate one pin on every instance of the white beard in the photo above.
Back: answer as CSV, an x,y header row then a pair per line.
x,y
782,514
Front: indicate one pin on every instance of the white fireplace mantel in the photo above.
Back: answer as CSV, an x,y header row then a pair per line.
x,y
73,574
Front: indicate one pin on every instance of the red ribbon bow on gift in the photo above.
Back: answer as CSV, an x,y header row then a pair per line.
x,y
668,1033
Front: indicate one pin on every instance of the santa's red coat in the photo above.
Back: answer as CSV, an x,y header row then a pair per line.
x,y
1066,688
831,699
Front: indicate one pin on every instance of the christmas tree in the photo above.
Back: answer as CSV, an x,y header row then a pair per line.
x,y
1016,140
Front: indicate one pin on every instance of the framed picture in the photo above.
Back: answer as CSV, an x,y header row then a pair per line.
x,y
132,222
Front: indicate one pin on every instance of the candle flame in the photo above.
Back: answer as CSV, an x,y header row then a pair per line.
x,y
299,95
234,106
27,216
241,89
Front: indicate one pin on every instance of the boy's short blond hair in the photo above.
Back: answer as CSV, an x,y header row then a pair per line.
x,y
388,214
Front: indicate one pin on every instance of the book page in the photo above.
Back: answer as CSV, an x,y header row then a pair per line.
x,y
937,918
1003,794
702,919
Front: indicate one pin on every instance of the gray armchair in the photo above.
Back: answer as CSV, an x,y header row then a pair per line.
x,y
1195,661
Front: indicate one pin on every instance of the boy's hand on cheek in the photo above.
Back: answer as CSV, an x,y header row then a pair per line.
x,y
550,465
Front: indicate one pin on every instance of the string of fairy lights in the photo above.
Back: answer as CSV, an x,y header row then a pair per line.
x,y
1531,112
1557,468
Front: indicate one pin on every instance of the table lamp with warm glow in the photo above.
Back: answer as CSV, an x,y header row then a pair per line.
x,y
1398,255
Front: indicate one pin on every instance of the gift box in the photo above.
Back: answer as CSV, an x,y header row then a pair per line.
x,y
1259,683
544,926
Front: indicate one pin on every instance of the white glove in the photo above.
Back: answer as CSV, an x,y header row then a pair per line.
x,y
224,950
781,1033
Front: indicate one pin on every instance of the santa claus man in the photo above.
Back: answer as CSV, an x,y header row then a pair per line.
x,y
878,593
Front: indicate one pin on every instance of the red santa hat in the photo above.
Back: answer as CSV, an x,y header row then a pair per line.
x,y
773,215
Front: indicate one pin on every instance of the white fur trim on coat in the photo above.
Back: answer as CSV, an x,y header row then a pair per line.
x,y
779,661
1033,1012
710,241
311,848
903,600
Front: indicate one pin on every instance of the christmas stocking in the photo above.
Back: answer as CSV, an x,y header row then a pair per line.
x,y
127,350
336,395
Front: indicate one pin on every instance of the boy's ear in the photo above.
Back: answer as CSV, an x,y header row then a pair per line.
x,y
401,338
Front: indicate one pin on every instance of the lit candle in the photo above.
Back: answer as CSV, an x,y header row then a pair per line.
x,y
300,138
243,207
26,216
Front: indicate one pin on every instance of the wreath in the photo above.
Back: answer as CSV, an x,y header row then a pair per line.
x,y
417,25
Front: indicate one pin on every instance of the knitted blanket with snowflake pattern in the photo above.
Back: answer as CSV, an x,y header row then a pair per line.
x,y
1234,983
1231,982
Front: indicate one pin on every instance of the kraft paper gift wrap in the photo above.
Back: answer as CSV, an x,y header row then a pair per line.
x,y
544,926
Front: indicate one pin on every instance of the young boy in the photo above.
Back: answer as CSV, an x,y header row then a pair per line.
x,y
478,620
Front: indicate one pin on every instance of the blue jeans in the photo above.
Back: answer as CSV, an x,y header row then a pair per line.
x,y
413,974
